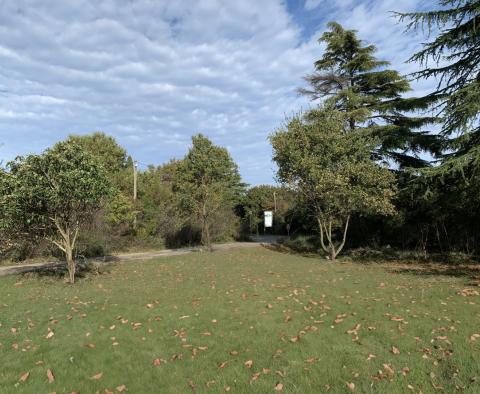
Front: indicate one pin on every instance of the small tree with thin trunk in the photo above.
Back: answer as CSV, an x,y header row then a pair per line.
x,y
333,173
51,196
207,180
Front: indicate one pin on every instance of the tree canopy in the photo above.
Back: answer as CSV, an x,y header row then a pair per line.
x,y
332,171
453,58
354,81
207,179
52,195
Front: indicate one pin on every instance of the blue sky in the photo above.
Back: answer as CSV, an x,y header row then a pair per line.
x,y
152,73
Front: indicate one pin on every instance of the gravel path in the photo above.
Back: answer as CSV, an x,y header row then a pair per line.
x,y
21,268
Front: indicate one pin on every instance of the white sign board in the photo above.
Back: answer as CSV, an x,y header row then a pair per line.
x,y
268,215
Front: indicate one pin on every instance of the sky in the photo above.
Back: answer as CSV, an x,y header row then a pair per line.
x,y
152,73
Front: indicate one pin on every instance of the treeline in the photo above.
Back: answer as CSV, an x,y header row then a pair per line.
x,y
430,144
365,167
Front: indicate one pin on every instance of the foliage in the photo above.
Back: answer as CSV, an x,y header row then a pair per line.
x,y
332,171
206,180
52,195
104,149
455,54
354,81
120,211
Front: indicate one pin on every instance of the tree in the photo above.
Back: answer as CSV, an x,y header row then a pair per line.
x,y
354,81
52,195
332,171
207,180
160,214
453,58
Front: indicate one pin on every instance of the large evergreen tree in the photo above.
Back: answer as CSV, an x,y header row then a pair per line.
x,y
354,81
453,58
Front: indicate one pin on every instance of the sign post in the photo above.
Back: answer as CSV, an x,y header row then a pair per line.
x,y
268,219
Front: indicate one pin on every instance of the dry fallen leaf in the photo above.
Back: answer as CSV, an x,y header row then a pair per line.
x,y
468,293
159,361
279,387
49,335
395,350
350,386
24,377
121,388
389,369
97,376
474,337
254,377
248,363
50,376
221,365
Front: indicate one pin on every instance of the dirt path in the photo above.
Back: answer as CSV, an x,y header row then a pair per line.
x,y
18,269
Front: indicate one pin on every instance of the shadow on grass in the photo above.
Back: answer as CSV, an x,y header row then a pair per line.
x,y
396,261
471,272
287,249
84,269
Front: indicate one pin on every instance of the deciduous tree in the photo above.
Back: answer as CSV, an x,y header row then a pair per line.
x,y
332,171
207,180
52,195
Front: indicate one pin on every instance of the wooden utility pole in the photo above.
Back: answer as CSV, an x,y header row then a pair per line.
x,y
135,194
134,181
275,201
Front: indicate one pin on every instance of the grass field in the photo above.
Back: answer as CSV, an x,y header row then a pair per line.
x,y
246,320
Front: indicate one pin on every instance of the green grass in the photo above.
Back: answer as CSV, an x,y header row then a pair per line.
x,y
204,315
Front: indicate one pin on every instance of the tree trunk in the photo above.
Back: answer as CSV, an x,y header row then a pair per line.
x,y
207,235
70,264
67,245
205,230
331,249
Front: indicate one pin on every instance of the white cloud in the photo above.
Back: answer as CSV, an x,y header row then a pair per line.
x,y
152,73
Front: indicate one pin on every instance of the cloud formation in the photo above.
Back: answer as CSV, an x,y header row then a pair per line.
x,y
152,73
